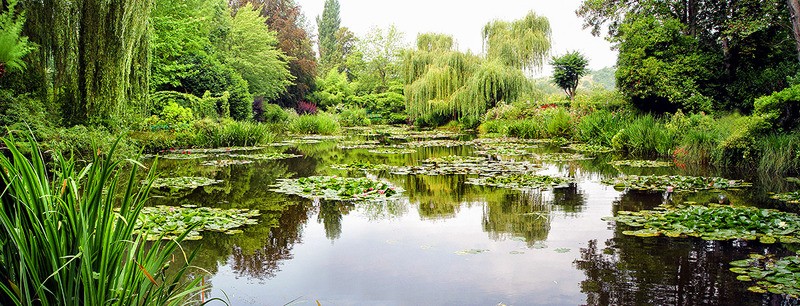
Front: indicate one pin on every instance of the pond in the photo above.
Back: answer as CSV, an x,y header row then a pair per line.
x,y
444,241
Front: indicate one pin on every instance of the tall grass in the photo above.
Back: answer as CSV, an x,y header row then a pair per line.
x,y
600,126
234,133
62,242
779,153
321,123
645,136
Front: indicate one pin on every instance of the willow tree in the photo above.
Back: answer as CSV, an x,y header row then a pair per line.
x,y
93,59
443,84
522,43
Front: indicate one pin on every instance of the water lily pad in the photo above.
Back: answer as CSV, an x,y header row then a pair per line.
x,y
182,156
392,151
432,143
485,167
471,252
267,156
678,182
520,181
338,188
714,222
226,162
223,150
589,149
771,274
641,163
187,182
366,166
562,157
788,197
562,250
168,222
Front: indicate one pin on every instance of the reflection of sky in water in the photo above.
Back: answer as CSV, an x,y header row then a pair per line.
x,y
409,260
405,253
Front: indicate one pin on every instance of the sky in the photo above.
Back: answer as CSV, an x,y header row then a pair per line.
x,y
464,19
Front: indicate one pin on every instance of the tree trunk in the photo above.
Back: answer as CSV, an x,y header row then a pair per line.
x,y
794,9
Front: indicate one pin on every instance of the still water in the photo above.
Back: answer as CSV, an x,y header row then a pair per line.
x,y
450,243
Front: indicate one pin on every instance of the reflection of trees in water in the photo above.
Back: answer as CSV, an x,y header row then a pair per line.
x,y
383,210
330,215
631,270
437,197
514,214
261,257
569,199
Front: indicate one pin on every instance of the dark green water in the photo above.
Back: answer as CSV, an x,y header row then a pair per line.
x,y
537,247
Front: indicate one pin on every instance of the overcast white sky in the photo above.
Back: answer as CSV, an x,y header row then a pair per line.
x,y
464,19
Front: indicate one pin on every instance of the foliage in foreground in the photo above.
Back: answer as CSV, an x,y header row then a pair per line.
x,y
63,243
714,222
167,222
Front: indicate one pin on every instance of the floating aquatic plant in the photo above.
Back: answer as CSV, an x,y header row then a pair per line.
x,y
392,151
510,149
589,148
714,222
360,166
678,182
223,150
485,167
641,163
454,159
182,156
168,222
562,157
185,182
267,156
520,181
226,162
432,143
788,197
338,188
773,275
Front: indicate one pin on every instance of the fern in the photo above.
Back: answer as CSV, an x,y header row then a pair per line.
x,y
13,46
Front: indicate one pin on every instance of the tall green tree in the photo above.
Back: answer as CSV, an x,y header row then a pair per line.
x,y
745,45
179,28
568,70
250,47
286,18
327,27
522,43
382,52
93,61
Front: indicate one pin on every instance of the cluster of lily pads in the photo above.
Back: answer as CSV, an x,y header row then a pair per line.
x,y
226,162
422,134
168,222
449,159
589,148
185,182
367,166
714,222
467,166
338,188
183,156
520,181
641,163
359,144
267,156
778,276
677,182
788,197
223,150
510,149
391,151
562,157
432,143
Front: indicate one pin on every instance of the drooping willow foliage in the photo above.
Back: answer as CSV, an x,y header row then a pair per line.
x,y
522,43
93,59
443,84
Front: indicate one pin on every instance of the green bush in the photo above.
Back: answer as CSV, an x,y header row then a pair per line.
x,y
274,114
353,116
644,136
383,106
205,107
215,77
600,126
779,153
229,133
23,112
81,142
739,147
320,123
781,109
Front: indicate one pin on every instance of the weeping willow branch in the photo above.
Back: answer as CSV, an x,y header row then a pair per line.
x,y
522,44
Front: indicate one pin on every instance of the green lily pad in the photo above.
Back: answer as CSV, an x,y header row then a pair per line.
x,y
179,183
771,274
562,157
338,188
714,222
521,181
392,151
226,162
365,166
562,250
641,163
471,251
483,167
678,182
168,222
788,197
267,156
589,149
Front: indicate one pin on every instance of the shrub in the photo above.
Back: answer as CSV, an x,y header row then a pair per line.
x,y
229,133
781,109
321,123
23,112
353,116
779,153
83,142
60,234
201,107
383,106
644,136
600,126
274,114
739,148
304,108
